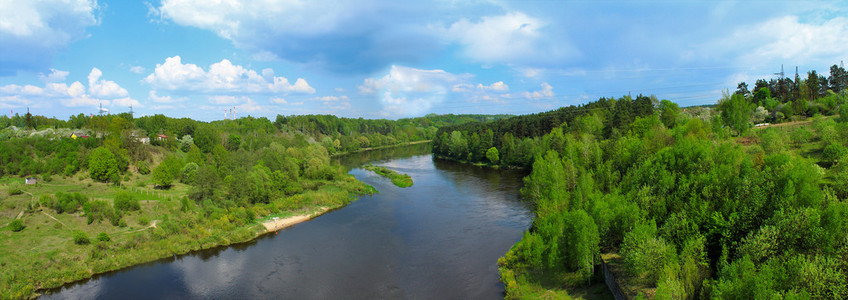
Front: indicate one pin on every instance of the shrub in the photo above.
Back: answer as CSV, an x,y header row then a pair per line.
x,y
80,238
16,225
143,167
97,211
126,202
69,203
15,189
103,237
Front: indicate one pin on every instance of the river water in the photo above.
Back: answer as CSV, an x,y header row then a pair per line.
x,y
439,239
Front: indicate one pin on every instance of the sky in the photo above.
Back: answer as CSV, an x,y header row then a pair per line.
x,y
396,59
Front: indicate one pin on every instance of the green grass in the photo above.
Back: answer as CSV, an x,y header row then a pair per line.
x,y
400,180
43,255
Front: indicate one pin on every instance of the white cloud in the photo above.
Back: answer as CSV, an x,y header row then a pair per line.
x,y
332,98
54,76
100,91
222,77
785,39
162,99
408,91
279,101
32,31
137,69
546,92
510,38
104,88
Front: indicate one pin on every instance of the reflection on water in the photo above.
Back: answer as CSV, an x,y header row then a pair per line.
x,y
438,239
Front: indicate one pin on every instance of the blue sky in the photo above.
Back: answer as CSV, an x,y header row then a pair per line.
x,y
393,59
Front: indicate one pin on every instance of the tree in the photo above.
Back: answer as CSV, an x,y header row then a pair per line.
x,y
189,173
492,155
162,175
102,164
206,137
736,113
742,89
233,142
669,112
761,95
813,84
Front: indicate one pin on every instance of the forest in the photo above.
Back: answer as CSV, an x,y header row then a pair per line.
x,y
689,203
115,191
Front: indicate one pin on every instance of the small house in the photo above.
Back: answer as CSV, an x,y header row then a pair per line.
x,y
161,137
31,180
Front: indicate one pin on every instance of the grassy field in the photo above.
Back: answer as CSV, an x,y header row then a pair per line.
x,y
43,255
400,180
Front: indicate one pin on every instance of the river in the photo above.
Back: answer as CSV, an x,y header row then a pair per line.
x,y
439,239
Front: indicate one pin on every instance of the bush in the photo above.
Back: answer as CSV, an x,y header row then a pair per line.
x,y
68,203
80,238
126,202
103,237
97,211
16,225
15,189
143,167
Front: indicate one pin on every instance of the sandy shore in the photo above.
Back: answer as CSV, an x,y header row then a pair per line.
x,y
277,224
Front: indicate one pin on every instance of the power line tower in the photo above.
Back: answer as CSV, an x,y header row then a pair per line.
x,y
781,88
131,111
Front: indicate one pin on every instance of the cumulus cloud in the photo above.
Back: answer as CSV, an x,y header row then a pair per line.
x,y
546,92
408,91
323,33
222,78
71,95
54,76
513,38
33,31
784,39
104,88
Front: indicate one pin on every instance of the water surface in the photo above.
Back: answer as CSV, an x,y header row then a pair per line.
x,y
439,239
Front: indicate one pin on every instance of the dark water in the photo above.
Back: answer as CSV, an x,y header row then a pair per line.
x,y
439,239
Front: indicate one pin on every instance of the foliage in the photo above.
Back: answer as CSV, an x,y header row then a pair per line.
x,y
492,155
125,201
398,179
189,173
102,164
97,210
143,167
16,225
103,237
15,189
80,237
736,113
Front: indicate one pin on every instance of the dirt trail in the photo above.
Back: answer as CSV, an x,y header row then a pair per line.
x,y
57,220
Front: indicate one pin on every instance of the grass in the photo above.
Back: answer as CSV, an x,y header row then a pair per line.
x,y
400,180
43,255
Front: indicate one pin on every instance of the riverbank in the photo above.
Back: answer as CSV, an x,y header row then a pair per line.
x,y
44,257
380,147
277,224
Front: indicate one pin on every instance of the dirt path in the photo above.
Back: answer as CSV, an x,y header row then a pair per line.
x,y
278,224
152,225
57,220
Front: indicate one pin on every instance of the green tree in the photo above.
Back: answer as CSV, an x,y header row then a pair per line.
x,y
189,173
736,113
669,112
102,164
162,176
233,142
492,155
206,138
